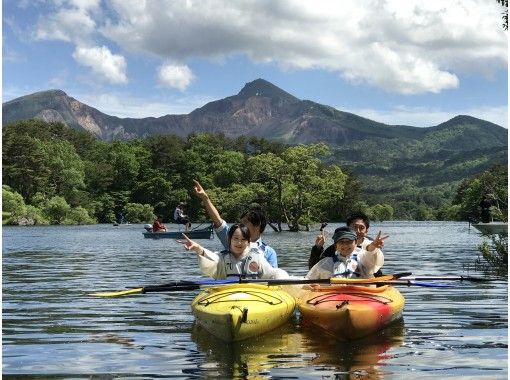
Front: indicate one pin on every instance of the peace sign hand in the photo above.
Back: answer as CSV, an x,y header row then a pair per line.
x,y
190,245
378,242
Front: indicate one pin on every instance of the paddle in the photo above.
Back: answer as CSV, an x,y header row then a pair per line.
x,y
383,280
193,285
169,287
393,279
449,278
417,283
333,280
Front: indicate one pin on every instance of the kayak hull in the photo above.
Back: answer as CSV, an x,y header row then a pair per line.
x,y
351,312
238,312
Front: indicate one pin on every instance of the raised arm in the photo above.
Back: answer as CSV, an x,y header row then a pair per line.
x,y
209,206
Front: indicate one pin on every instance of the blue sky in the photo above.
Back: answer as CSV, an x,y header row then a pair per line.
x,y
410,62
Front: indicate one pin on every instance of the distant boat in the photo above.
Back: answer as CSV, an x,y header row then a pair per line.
x,y
202,233
115,224
492,228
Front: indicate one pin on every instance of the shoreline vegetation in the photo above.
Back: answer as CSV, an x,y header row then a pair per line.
x,y
53,174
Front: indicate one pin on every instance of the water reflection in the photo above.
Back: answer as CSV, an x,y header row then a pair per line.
x,y
290,347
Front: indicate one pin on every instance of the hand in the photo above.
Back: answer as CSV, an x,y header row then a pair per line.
x,y
378,242
199,190
320,239
190,245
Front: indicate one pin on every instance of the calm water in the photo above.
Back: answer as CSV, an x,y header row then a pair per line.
x,y
53,329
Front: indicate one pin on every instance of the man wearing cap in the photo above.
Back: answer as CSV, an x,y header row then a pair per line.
x,y
349,264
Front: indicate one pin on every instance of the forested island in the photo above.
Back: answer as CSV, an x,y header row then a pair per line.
x,y
53,174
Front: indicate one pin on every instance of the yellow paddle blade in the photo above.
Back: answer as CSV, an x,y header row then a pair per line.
x,y
374,280
118,293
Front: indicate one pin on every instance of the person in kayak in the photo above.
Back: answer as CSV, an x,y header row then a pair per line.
x,y
240,260
254,219
348,263
359,222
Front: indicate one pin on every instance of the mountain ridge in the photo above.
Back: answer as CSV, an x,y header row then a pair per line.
x,y
260,109
392,161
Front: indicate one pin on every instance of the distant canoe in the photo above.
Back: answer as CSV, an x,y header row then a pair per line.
x,y
492,228
203,233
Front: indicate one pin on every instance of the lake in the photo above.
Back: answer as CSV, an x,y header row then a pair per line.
x,y
53,329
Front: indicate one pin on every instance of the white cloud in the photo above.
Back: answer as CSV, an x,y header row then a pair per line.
x,y
428,117
72,23
403,47
409,47
176,76
110,66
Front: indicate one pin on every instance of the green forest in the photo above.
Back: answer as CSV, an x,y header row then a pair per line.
x,y
56,175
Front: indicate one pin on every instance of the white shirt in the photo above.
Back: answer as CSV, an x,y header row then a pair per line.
x,y
177,213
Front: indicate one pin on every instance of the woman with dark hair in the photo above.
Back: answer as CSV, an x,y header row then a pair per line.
x,y
239,260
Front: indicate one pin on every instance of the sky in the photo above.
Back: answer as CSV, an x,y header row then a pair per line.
x,y
399,62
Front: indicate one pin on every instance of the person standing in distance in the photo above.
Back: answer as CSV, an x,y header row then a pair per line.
x,y
180,217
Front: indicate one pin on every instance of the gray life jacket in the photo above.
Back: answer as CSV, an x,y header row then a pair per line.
x,y
347,269
248,267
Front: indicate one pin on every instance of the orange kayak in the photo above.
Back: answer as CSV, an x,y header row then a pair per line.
x,y
351,312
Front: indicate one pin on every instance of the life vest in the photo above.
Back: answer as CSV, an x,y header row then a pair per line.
x,y
248,267
346,269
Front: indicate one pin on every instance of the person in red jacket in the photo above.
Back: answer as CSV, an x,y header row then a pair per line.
x,y
158,226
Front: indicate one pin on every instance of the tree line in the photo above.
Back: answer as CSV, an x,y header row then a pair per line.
x,y
56,175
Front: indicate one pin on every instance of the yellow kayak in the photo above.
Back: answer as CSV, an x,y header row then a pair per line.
x,y
350,312
240,311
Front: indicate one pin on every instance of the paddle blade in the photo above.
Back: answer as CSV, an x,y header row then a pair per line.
x,y
118,293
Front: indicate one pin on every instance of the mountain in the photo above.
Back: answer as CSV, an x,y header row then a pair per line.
x,y
383,156
260,109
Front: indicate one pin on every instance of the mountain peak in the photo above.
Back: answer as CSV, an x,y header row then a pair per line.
x,y
38,95
261,87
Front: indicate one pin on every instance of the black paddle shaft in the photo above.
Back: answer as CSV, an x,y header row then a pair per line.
x,y
169,288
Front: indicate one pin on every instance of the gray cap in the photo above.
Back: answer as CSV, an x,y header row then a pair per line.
x,y
344,234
